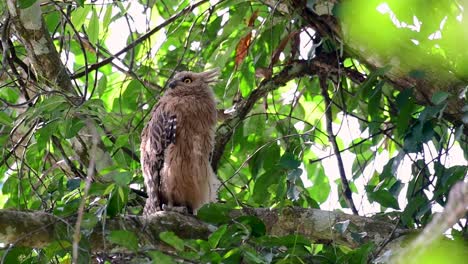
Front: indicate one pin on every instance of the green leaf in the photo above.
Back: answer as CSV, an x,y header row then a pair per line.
x,y
320,189
100,189
405,104
22,4
6,119
117,200
73,184
260,191
80,2
16,254
161,258
124,238
122,178
72,127
102,85
132,90
214,213
233,256
439,97
171,239
215,237
253,257
385,198
107,17
257,226
289,161
79,16
93,28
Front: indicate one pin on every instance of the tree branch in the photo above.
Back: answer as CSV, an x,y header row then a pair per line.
x,y
297,69
138,40
437,77
347,194
29,28
38,229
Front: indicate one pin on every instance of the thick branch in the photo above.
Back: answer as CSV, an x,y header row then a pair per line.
x,y
29,28
38,229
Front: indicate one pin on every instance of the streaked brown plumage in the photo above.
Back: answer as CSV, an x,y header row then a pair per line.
x,y
177,142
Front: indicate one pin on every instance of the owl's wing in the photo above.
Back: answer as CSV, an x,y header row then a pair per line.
x,y
158,134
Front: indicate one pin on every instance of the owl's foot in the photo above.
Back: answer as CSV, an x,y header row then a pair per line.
x,y
178,209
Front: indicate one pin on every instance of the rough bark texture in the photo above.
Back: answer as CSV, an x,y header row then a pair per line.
x,y
29,27
38,229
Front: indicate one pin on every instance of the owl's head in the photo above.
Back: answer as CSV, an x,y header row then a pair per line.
x,y
187,79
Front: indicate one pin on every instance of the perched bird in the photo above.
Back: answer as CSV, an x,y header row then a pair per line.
x,y
177,142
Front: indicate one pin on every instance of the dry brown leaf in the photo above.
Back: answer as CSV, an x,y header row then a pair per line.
x,y
281,46
242,48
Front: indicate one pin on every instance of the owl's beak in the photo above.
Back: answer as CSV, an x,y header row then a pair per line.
x,y
172,84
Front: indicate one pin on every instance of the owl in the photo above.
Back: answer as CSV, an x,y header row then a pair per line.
x,y
177,142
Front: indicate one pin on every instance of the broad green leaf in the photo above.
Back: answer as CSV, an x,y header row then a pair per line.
x,y
22,4
405,106
72,127
122,178
214,213
102,85
233,256
124,238
214,238
79,16
384,198
52,19
320,189
73,184
117,201
93,28
258,228
263,182
439,97
80,2
161,258
289,161
5,119
173,240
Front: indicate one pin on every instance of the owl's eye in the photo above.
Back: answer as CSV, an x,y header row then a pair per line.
x,y
187,80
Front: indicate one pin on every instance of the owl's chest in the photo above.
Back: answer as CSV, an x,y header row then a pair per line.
x,y
195,114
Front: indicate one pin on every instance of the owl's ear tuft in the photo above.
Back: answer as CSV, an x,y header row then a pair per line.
x,y
211,76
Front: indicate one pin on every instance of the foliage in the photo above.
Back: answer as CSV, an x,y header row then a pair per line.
x,y
278,153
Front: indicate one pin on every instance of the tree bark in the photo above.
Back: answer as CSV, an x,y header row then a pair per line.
x,y
38,229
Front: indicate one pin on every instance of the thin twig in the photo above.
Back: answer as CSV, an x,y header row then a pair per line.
x,y
347,194
139,40
89,178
